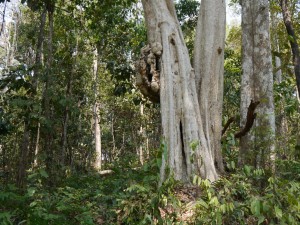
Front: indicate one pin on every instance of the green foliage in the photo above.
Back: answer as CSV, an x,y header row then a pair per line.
x,y
238,200
132,196
187,14
289,169
230,152
129,196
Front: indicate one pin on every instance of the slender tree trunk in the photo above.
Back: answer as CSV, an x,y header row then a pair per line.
x,y
113,138
39,49
147,149
96,113
142,139
47,128
36,72
13,45
23,160
3,17
293,40
278,64
67,108
281,120
209,71
8,47
65,126
188,148
257,147
37,144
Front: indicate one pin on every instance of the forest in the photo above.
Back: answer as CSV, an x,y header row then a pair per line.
x,y
149,112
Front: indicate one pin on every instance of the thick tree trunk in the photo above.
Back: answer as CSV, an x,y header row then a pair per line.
x,y
209,71
293,40
187,145
257,147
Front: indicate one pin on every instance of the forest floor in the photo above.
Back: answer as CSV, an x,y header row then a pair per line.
x,y
132,196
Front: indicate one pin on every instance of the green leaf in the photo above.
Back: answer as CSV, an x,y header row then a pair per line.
x,y
194,145
278,212
203,203
247,170
261,219
31,191
44,173
255,207
232,164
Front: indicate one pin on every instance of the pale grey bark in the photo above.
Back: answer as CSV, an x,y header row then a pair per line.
x,y
3,17
11,46
278,64
96,115
257,147
37,146
188,151
282,127
141,133
209,71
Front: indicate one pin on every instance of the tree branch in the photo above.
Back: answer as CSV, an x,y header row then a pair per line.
x,y
251,115
231,120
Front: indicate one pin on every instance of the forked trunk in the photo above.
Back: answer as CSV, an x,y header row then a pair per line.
x,y
167,65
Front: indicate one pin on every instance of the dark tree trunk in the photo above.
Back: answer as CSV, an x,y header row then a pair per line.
x,y
40,41
48,128
293,40
23,160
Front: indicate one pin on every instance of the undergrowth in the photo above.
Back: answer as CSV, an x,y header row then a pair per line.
x,y
132,196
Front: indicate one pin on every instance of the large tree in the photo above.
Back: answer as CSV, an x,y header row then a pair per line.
x,y
257,147
166,75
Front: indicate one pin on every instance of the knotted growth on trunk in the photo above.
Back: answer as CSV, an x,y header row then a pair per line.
x,y
148,71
